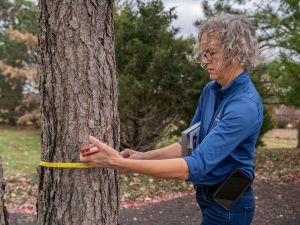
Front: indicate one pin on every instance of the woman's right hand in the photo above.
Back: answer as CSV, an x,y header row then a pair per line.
x,y
132,154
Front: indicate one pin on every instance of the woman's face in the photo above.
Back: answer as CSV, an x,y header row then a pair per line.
x,y
212,56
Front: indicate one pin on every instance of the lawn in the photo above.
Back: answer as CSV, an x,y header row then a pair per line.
x,y
19,150
280,138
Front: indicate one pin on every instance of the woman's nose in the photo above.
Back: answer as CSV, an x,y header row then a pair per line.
x,y
204,60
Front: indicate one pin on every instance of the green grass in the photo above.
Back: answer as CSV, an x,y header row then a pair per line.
x,y
19,150
280,138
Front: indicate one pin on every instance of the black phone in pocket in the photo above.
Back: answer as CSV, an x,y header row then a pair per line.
x,y
232,188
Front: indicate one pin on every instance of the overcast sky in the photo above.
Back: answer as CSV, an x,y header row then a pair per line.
x,y
188,11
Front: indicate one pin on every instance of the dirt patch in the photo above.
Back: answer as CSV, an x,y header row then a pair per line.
x,y
277,202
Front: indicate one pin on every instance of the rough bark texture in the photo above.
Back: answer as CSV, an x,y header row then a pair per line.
x,y
3,211
79,98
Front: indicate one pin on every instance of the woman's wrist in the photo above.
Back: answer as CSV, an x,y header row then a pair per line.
x,y
118,162
147,155
150,155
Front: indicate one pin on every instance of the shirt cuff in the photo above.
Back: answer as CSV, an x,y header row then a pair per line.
x,y
190,163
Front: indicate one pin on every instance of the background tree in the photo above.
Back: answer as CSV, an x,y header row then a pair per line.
x,y
159,85
19,101
79,98
279,23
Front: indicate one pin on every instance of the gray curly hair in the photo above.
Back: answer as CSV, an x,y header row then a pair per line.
x,y
237,36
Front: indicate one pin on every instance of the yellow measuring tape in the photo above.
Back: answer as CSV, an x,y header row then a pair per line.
x,y
65,165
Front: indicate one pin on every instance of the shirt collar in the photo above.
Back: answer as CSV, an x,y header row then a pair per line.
x,y
238,81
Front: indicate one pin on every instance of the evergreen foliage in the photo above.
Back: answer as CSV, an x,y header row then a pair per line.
x,y
158,83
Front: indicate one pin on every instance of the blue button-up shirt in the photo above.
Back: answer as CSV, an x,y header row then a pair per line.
x,y
231,119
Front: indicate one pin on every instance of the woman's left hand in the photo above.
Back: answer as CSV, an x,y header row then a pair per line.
x,y
106,157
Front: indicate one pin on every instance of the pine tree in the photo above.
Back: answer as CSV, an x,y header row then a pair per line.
x,y
79,98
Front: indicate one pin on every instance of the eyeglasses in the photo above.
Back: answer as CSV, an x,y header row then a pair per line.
x,y
209,55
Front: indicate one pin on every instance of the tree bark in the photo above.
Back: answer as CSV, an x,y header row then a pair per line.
x,y
3,211
79,98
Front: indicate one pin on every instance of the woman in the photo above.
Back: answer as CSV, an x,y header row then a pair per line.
x,y
231,114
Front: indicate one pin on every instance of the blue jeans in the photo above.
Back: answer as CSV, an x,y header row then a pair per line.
x,y
241,213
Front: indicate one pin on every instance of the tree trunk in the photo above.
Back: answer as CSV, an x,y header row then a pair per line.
x,y
79,98
3,212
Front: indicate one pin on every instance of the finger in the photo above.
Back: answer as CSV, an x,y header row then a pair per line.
x,y
97,143
84,159
125,153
